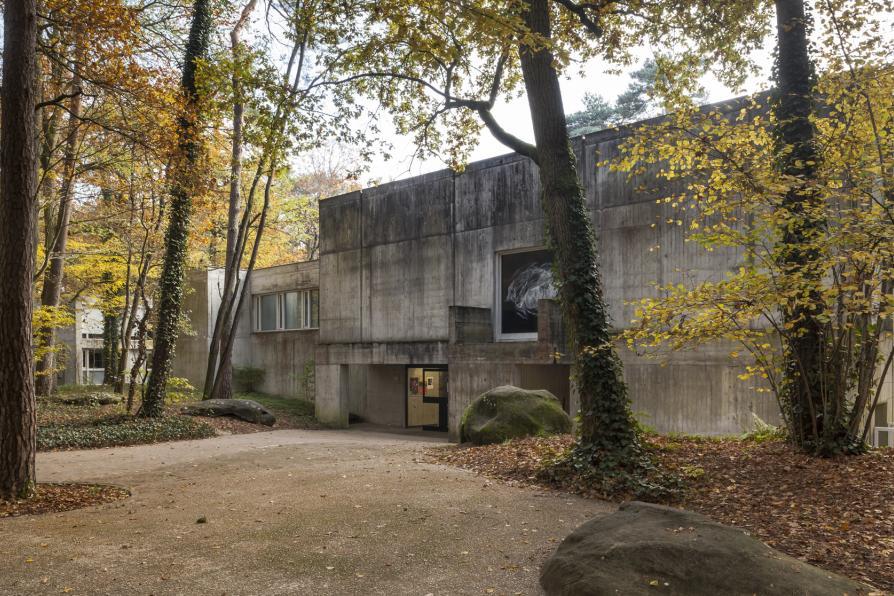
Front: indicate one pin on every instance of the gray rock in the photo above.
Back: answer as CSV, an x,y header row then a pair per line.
x,y
509,412
244,409
650,549
100,398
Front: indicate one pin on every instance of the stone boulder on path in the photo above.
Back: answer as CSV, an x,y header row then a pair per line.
x,y
651,549
244,409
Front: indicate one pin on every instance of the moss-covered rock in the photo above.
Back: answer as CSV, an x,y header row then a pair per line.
x,y
509,412
650,549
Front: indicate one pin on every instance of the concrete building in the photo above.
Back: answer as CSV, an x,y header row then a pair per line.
x,y
81,359
434,289
417,280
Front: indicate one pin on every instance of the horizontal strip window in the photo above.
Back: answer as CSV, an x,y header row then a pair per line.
x,y
283,311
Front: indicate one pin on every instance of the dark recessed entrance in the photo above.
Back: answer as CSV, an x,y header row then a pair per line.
x,y
426,405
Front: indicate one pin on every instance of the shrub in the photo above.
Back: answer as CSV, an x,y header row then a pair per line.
x,y
248,378
179,389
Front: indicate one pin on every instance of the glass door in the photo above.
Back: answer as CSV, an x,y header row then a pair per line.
x,y
427,398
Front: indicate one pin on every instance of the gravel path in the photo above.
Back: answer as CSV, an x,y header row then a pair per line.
x,y
288,512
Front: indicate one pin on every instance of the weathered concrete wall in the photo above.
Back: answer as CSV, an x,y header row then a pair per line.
x,y
695,392
332,403
287,356
340,270
200,302
385,398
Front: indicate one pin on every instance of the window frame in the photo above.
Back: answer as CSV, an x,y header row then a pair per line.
x,y
499,336
88,354
305,310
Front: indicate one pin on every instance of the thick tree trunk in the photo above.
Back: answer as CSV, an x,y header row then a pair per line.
x,y
18,185
180,209
816,418
51,294
608,436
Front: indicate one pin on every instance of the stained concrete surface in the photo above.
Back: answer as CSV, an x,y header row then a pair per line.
x,y
289,512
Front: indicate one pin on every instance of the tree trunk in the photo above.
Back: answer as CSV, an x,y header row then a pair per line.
x,y
219,366
51,294
111,325
127,314
18,185
608,437
177,233
815,418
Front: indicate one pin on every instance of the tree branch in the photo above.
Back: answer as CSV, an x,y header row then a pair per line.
x,y
501,134
580,11
58,99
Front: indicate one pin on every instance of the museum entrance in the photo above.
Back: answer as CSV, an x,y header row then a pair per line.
x,y
427,397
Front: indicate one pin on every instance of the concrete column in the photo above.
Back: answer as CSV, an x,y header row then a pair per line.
x,y
331,382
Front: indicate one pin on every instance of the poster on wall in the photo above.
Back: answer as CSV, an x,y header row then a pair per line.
x,y
525,278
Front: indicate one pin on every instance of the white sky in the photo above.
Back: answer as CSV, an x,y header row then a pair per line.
x,y
515,117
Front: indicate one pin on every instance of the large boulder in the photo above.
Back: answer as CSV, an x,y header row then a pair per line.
x,y
650,549
509,412
244,409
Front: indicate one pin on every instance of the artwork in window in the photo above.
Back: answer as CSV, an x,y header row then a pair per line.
x,y
293,307
525,279
267,306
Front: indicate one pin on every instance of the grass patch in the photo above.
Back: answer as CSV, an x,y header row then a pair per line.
x,y
291,412
118,430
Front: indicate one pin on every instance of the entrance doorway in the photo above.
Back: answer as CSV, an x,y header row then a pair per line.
x,y
427,390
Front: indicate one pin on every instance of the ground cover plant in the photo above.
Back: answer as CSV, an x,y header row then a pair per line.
x,y
90,424
834,512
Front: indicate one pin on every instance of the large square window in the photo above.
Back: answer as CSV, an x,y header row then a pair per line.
x,y
524,278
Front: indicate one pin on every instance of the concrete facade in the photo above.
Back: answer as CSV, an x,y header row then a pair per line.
x,y
410,283
409,277
285,355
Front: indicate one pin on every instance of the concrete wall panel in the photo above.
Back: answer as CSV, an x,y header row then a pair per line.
x,y
340,297
407,210
340,223
386,395
410,290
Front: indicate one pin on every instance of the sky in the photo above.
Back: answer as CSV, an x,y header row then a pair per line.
x,y
515,116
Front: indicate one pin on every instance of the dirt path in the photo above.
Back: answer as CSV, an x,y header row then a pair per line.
x,y
288,512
